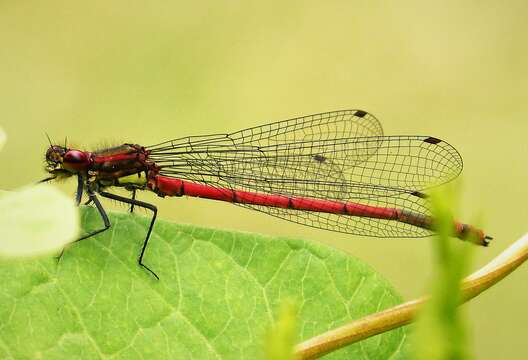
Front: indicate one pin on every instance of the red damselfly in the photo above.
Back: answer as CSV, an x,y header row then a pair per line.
x,y
334,170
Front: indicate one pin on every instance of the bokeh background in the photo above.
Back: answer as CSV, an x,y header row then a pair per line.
x,y
104,72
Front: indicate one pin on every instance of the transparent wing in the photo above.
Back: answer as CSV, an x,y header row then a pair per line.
x,y
324,126
272,150
343,124
355,168
340,155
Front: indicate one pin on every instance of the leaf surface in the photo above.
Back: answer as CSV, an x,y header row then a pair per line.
x,y
219,293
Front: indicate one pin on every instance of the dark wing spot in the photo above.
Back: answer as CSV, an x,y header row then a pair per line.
x,y
432,140
319,158
419,194
360,113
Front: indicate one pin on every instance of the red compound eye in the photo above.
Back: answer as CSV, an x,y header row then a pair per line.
x,y
75,160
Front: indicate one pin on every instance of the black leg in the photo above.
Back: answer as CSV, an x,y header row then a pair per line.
x,y
47,179
102,212
78,196
143,205
133,198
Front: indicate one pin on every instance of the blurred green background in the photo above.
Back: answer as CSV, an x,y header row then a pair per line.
x,y
107,72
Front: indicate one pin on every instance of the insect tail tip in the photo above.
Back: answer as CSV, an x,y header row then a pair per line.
x,y
487,240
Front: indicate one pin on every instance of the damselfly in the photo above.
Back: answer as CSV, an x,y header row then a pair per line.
x,y
334,171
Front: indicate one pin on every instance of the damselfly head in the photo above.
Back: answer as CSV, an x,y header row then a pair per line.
x,y
55,159
63,161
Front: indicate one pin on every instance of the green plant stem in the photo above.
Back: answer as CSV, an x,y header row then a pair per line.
x,y
403,314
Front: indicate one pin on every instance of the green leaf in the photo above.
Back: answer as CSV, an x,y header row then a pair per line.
x,y
36,220
218,293
440,332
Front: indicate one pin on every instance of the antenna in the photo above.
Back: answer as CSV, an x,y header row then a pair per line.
x,y
49,140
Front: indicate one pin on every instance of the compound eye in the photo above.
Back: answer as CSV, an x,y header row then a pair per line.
x,y
75,161
54,154
53,157
75,157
